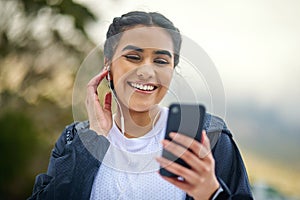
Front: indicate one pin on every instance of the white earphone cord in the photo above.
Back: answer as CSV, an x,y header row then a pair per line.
x,y
121,112
116,99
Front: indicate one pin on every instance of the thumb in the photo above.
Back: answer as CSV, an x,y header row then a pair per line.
x,y
205,146
205,140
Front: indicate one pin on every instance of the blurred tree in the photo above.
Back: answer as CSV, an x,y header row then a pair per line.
x,y
18,141
42,43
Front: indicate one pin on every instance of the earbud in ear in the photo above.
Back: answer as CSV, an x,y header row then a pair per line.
x,y
110,82
108,75
111,85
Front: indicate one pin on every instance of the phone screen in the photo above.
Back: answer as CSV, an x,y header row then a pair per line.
x,y
185,119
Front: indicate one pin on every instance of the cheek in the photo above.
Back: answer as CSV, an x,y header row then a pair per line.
x,y
120,82
165,77
119,73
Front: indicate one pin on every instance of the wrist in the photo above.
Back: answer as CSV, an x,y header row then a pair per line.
x,y
214,189
97,131
211,193
215,194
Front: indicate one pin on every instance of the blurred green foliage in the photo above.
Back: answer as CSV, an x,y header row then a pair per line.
x,y
28,133
18,142
42,43
20,24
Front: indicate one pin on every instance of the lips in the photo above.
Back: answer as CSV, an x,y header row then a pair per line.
x,y
143,86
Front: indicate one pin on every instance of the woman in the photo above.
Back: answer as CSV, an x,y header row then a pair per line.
x,y
99,159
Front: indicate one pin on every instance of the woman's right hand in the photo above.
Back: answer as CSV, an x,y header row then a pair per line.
x,y
100,118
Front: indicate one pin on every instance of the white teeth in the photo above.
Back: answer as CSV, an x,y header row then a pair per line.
x,y
142,87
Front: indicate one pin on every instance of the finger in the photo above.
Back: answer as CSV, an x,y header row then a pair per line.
x,y
205,151
95,81
107,102
205,140
188,175
181,184
187,142
189,157
93,85
201,150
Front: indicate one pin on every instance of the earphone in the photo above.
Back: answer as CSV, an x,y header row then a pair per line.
x,y
112,88
110,82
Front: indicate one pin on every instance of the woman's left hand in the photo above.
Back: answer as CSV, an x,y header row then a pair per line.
x,y
200,180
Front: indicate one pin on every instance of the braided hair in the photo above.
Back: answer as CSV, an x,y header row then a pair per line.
x,y
128,20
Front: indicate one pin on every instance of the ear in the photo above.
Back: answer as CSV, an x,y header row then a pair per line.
x,y
106,62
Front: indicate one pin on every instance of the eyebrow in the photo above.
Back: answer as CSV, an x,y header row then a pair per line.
x,y
164,52
135,48
131,47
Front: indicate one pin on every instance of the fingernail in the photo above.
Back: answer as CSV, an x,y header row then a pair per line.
x,y
172,134
163,142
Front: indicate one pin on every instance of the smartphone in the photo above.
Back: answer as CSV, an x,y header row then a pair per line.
x,y
185,119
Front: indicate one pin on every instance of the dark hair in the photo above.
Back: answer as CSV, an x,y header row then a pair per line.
x,y
134,18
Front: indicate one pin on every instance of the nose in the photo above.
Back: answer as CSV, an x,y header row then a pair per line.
x,y
145,72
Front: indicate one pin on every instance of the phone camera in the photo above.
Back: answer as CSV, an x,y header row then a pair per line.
x,y
175,110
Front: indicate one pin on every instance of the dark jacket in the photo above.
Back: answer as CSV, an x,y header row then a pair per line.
x,y
78,153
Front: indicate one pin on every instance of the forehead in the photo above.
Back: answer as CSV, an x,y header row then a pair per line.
x,y
146,37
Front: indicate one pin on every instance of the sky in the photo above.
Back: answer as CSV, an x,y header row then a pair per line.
x,y
255,45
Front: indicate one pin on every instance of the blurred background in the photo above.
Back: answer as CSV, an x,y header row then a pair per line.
x,y
255,46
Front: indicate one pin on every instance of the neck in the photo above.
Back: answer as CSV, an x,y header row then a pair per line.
x,y
137,124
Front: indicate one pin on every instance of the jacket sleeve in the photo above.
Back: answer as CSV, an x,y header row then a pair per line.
x,y
230,169
57,182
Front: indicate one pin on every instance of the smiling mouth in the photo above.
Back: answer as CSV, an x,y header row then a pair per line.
x,y
143,87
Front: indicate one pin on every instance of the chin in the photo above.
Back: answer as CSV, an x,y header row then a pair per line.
x,y
142,107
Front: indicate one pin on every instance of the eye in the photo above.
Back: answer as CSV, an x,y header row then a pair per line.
x,y
132,57
161,61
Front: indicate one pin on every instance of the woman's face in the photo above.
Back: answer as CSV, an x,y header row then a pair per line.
x,y
142,67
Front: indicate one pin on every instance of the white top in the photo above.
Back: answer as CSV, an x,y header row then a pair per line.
x,y
129,170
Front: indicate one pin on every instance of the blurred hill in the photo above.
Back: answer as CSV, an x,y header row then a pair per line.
x,y
269,143
265,132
